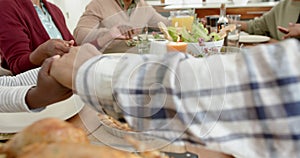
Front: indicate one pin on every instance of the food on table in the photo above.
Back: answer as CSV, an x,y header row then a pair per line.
x,y
73,150
163,28
112,122
54,138
47,131
224,31
198,32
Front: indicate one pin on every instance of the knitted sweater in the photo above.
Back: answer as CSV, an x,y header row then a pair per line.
x,y
21,32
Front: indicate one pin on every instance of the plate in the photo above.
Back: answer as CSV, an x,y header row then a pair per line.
x,y
253,39
150,37
15,122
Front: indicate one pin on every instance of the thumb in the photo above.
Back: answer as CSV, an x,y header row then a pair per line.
x,y
71,43
46,66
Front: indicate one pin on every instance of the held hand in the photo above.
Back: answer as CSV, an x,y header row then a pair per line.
x,y
65,68
50,48
293,30
47,90
119,32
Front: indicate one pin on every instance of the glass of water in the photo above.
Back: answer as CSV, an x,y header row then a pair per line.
x,y
234,36
143,43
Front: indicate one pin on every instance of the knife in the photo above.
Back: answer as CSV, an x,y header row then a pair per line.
x,y
181,155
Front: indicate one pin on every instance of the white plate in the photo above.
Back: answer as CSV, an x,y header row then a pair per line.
x,y
15,122
150,37
253,39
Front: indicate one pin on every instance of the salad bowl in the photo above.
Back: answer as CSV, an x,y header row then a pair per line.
x,y
197,49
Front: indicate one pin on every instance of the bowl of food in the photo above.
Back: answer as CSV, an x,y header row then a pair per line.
x,y
202,48
199,40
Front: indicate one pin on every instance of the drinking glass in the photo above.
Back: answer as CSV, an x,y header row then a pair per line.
x,y
143,43
234,36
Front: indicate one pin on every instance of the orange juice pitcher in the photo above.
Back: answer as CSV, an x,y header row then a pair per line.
x,y
182,18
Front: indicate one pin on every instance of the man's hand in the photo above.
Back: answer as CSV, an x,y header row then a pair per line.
x,y
64,69
123,32
293,30
47,90
48,49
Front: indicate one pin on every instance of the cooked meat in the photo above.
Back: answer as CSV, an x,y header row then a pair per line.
x,y
73,150
54,138
47,131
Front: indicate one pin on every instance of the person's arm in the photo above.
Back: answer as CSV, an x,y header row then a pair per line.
x,y
14,39
31,91
17,41
48,49
152,14
47,90
23,79
223,101
88,27
260,25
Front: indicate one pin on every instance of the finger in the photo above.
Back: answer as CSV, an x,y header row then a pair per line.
x,y
286,36
127,35
46,66
59,52
283,29
71,43
63,48
123,30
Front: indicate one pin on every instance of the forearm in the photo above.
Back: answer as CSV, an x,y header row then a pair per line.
x,y
93,83
38,56
224,109
15,44
13,99
23,79
38,99
85,34
20,64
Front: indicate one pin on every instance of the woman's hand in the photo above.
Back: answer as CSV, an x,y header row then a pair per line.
x,y
48,49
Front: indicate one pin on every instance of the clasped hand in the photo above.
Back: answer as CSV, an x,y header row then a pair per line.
x,y
50,48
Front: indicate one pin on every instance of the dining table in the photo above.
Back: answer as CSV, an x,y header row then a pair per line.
x,y
87,120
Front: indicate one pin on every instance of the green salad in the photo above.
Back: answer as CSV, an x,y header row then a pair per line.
x,y
198,34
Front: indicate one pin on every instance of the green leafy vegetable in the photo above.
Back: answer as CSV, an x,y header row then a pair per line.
x,y
173,33
198,32
214,36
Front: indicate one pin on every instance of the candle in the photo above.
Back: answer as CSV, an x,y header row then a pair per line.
x,y
177,47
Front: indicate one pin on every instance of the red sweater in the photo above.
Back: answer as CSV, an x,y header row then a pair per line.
x,y
21,32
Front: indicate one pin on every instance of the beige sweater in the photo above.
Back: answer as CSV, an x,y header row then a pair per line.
x,y
101,15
